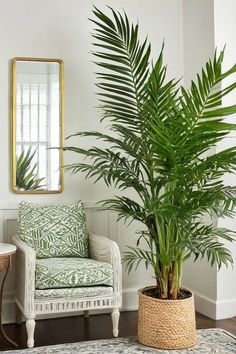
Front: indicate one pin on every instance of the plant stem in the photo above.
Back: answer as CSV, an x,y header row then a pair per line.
x,y
158,287
175,270
165,281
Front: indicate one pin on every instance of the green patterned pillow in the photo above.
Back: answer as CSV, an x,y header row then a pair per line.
x,y
54,230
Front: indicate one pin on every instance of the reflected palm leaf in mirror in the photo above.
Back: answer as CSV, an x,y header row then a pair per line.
x,y
26,175
37,125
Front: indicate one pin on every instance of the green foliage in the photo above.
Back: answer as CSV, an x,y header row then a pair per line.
x,y
26,176
161,135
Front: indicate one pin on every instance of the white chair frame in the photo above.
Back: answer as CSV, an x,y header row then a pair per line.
x,y
101,249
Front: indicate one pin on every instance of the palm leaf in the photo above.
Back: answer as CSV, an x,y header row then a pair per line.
x,y
26,175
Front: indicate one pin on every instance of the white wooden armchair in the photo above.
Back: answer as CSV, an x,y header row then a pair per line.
x,y
32,302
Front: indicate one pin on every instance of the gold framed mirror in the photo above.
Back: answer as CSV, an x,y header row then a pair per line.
x,y
37,97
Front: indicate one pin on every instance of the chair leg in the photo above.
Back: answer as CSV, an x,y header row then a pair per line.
x,y
115,315
30,326
86,313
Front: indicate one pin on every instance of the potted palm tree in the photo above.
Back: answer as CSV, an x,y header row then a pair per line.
x,y
158,146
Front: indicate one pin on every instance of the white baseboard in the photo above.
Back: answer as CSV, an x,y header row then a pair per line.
x,y
205,305
226,309
130,299
216,310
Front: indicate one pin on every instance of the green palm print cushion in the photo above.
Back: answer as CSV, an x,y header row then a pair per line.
x,y
72,273
54,230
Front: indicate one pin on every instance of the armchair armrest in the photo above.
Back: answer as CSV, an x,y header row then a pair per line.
x,y
25,276
103,249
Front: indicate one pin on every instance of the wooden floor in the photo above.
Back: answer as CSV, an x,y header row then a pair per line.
x,y
74,329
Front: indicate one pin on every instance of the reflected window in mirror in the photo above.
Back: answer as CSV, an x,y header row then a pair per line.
x,y
37,125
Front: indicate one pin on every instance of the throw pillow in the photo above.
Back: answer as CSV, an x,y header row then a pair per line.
x,y
54,230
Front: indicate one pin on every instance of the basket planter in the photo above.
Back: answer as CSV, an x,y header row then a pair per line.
x,y
166,324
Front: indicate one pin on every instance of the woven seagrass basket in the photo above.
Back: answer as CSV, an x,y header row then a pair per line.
x,y
166,324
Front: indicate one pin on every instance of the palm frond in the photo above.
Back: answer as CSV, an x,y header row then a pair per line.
x,y
126,62
26,174
126,208
135,256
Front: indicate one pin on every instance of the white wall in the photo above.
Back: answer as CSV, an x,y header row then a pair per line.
x,y
60,29
225,31
208,25
198,35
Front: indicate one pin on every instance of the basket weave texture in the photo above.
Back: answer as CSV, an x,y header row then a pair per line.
x,y
166,324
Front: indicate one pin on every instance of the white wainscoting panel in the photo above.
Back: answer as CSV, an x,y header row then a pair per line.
x,y
101,222
105,223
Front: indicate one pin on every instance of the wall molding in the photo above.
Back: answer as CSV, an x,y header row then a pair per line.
x,y
102,222
225,309
205,305
209,307
92,204
215,309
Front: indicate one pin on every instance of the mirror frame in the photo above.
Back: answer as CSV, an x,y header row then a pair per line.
x,y
13,124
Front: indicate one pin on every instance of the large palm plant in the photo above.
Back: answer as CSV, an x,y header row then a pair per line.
x,y
160,137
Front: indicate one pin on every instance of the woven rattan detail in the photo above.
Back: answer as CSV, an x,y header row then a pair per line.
x,y
166,324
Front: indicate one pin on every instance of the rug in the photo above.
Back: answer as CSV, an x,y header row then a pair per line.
x,y
210,341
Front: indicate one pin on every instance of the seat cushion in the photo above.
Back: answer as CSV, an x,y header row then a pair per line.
x,y
54,230
72,273
87,291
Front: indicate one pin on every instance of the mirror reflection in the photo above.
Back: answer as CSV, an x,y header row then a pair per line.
x,y
37,100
